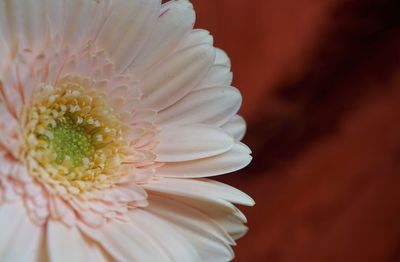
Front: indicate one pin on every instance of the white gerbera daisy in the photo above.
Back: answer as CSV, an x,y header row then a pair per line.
x,y
113,112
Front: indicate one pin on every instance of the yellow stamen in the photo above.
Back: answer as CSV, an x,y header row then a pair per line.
x,y
74,140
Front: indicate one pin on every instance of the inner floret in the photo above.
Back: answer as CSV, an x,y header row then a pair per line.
x,y
74,142
71,142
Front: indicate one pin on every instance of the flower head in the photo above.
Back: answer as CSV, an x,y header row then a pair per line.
x,y
113,113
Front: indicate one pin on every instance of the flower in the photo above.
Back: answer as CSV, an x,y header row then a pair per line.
x,y
113,115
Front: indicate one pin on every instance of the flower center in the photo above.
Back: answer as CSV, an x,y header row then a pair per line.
x,y
74,139
71,141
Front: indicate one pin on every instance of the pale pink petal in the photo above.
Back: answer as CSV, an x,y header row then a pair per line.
x,y
4,54
177,246
237,158
23,24
126,29
197,36
236,126
74,22
68,244
200,189
20,239
175,76
219,75
209,106
174,23
191,142
211,241
127,242
226,215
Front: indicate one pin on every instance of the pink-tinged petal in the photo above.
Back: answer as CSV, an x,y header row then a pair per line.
x,y
125,193
177,246
175,76
6,166
236,126
219,75
23,24
226,215
21,174
173,25
75,22
5,54
237,158
209,106
200,189
10,193
127,242
9,139
68,244
126,30
211,241
58,207
197,36
20,239
191,142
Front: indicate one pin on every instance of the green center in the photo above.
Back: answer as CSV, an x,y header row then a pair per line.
x,y
71,141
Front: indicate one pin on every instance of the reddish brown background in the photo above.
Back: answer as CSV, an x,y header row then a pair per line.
x,y
321,87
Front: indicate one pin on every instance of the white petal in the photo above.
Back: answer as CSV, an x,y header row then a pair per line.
x,y
219,75
211,241
66,243
177,246
75,22
200,189
20,239
5,54
127,242
221,58
172,79
127,28
212,106
236,127
175,22
196,37
223,213
191,142
237,158
23,24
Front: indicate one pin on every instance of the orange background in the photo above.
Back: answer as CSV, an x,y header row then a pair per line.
x,y
321,88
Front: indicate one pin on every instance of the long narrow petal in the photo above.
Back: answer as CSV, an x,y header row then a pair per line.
x,y
196,37
23,24
219,75
20,238
173,78
174,23
201,189
75,22
211,241
191,142
209,106
177,246
236,126
126,29
237,158
225,214
127,242
67,244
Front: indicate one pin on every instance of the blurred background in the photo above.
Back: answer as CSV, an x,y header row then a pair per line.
x,y
321,88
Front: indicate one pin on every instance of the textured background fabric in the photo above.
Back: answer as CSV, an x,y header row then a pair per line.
x,y
321,87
